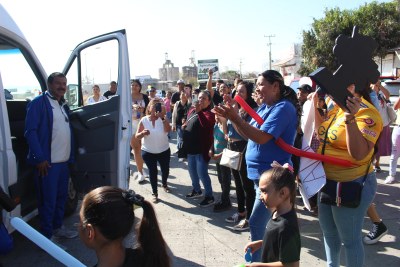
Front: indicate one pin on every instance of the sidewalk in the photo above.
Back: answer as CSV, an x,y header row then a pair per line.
x,y
200,237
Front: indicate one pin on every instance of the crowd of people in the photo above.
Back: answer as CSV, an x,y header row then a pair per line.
x,y
210,124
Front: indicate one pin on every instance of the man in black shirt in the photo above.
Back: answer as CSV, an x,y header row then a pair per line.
x,y
215,96
112,90
177,95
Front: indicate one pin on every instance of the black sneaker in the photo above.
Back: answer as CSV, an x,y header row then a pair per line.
x,y
194,194
377,232
221,207
207,201
235,218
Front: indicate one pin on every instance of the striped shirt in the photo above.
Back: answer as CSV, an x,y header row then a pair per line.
x,y
219,140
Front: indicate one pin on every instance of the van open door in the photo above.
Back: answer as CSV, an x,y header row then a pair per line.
x,y
102,131
8,169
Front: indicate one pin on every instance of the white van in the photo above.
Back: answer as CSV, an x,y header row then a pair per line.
x,y
101,131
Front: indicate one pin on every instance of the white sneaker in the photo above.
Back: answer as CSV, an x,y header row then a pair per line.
x,y
57,243
389,179
145,174
233,195
64,233
181,160
140,177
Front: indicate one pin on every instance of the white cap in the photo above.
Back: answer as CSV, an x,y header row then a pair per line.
x,y
180,81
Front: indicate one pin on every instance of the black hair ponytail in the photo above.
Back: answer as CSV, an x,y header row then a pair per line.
x,y
285,92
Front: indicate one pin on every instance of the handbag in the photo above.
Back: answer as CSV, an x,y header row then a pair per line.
x,y
232,159
391,113
341,194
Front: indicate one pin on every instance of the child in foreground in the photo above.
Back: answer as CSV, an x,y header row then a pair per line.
x,y
281,244
106,218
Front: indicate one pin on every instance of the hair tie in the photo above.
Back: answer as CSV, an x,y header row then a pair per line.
x,y
275,164
133,198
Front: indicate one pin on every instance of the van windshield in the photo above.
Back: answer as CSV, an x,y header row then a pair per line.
x,y
16,75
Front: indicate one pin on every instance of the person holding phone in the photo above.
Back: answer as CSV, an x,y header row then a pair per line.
x,y
153,130
178,118
215,96
139,105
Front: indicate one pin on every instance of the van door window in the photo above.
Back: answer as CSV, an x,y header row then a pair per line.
x,y
99,66
72,93
18,77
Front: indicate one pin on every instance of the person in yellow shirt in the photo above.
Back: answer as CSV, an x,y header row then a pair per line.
x,y
351,136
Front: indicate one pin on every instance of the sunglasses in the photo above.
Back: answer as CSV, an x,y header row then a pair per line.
x,y
152,91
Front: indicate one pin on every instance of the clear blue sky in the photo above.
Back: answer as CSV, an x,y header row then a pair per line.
x,y
222,29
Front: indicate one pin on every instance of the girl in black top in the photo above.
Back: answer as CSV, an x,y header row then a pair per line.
x,y
281,244
107,217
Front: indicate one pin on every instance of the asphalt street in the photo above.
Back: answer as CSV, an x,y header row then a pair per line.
x,y
200,237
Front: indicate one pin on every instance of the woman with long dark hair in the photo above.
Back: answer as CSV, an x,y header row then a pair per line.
x,y
281,113
244,186
139,105
107,217
350,135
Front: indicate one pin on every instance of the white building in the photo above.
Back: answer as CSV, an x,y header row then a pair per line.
x,y
390,65
289,63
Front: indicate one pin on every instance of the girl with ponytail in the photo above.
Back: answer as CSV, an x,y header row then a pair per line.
x,y
107,217
281,112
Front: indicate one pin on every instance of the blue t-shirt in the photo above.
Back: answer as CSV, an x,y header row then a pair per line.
x,y
280,120
232,133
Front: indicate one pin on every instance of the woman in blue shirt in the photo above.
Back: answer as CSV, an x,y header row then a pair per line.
x,y
281,113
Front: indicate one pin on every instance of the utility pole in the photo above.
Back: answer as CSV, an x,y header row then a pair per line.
x,y
269,44
240,67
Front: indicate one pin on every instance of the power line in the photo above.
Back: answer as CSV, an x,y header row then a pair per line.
x,y
270,44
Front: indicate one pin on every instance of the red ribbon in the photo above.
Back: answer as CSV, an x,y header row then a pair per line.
x,y
288,148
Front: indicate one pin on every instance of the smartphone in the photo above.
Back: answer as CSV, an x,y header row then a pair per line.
x,y
158,107
214,69
194,98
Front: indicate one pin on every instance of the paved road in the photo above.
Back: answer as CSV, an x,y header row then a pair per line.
x,y
200,237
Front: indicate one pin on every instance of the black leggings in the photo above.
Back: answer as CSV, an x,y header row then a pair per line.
x,y
245,191
151,161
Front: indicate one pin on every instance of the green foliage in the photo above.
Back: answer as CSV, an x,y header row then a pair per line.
x,y
381,21
229,74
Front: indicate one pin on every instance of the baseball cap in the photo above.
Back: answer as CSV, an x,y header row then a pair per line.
x,y
306,88
180,81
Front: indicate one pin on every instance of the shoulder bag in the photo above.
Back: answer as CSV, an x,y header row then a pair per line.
x,y
341,194
232,159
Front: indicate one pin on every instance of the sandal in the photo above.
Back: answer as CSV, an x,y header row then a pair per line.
x,y
166,188
155,198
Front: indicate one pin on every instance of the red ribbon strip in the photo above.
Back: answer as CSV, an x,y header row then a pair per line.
x,y
288,148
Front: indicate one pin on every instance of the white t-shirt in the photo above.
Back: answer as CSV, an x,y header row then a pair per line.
x,y
61,135
157,141
91,100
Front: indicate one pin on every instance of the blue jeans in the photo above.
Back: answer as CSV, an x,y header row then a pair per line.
x,y
169,118
341,224
258,221
198,170
179,136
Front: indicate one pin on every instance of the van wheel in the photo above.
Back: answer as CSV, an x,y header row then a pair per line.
x,y
72,201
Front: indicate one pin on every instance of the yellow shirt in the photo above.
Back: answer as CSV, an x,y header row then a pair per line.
x,y
369,121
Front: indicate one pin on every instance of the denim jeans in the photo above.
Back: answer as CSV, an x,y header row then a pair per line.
x,y
198,170
395,150
151,160
169,118
258,221
341,224
179,136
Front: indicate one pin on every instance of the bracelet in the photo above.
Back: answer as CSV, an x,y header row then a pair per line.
x,y
353,120
241,124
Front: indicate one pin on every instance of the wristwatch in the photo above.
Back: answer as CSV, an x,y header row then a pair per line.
x,y
163,119
353,120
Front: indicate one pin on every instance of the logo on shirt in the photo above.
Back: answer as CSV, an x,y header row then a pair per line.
x,y
368,121
368,132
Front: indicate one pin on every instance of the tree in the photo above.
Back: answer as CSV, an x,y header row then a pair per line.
x,y
250,74
229,74
381,21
